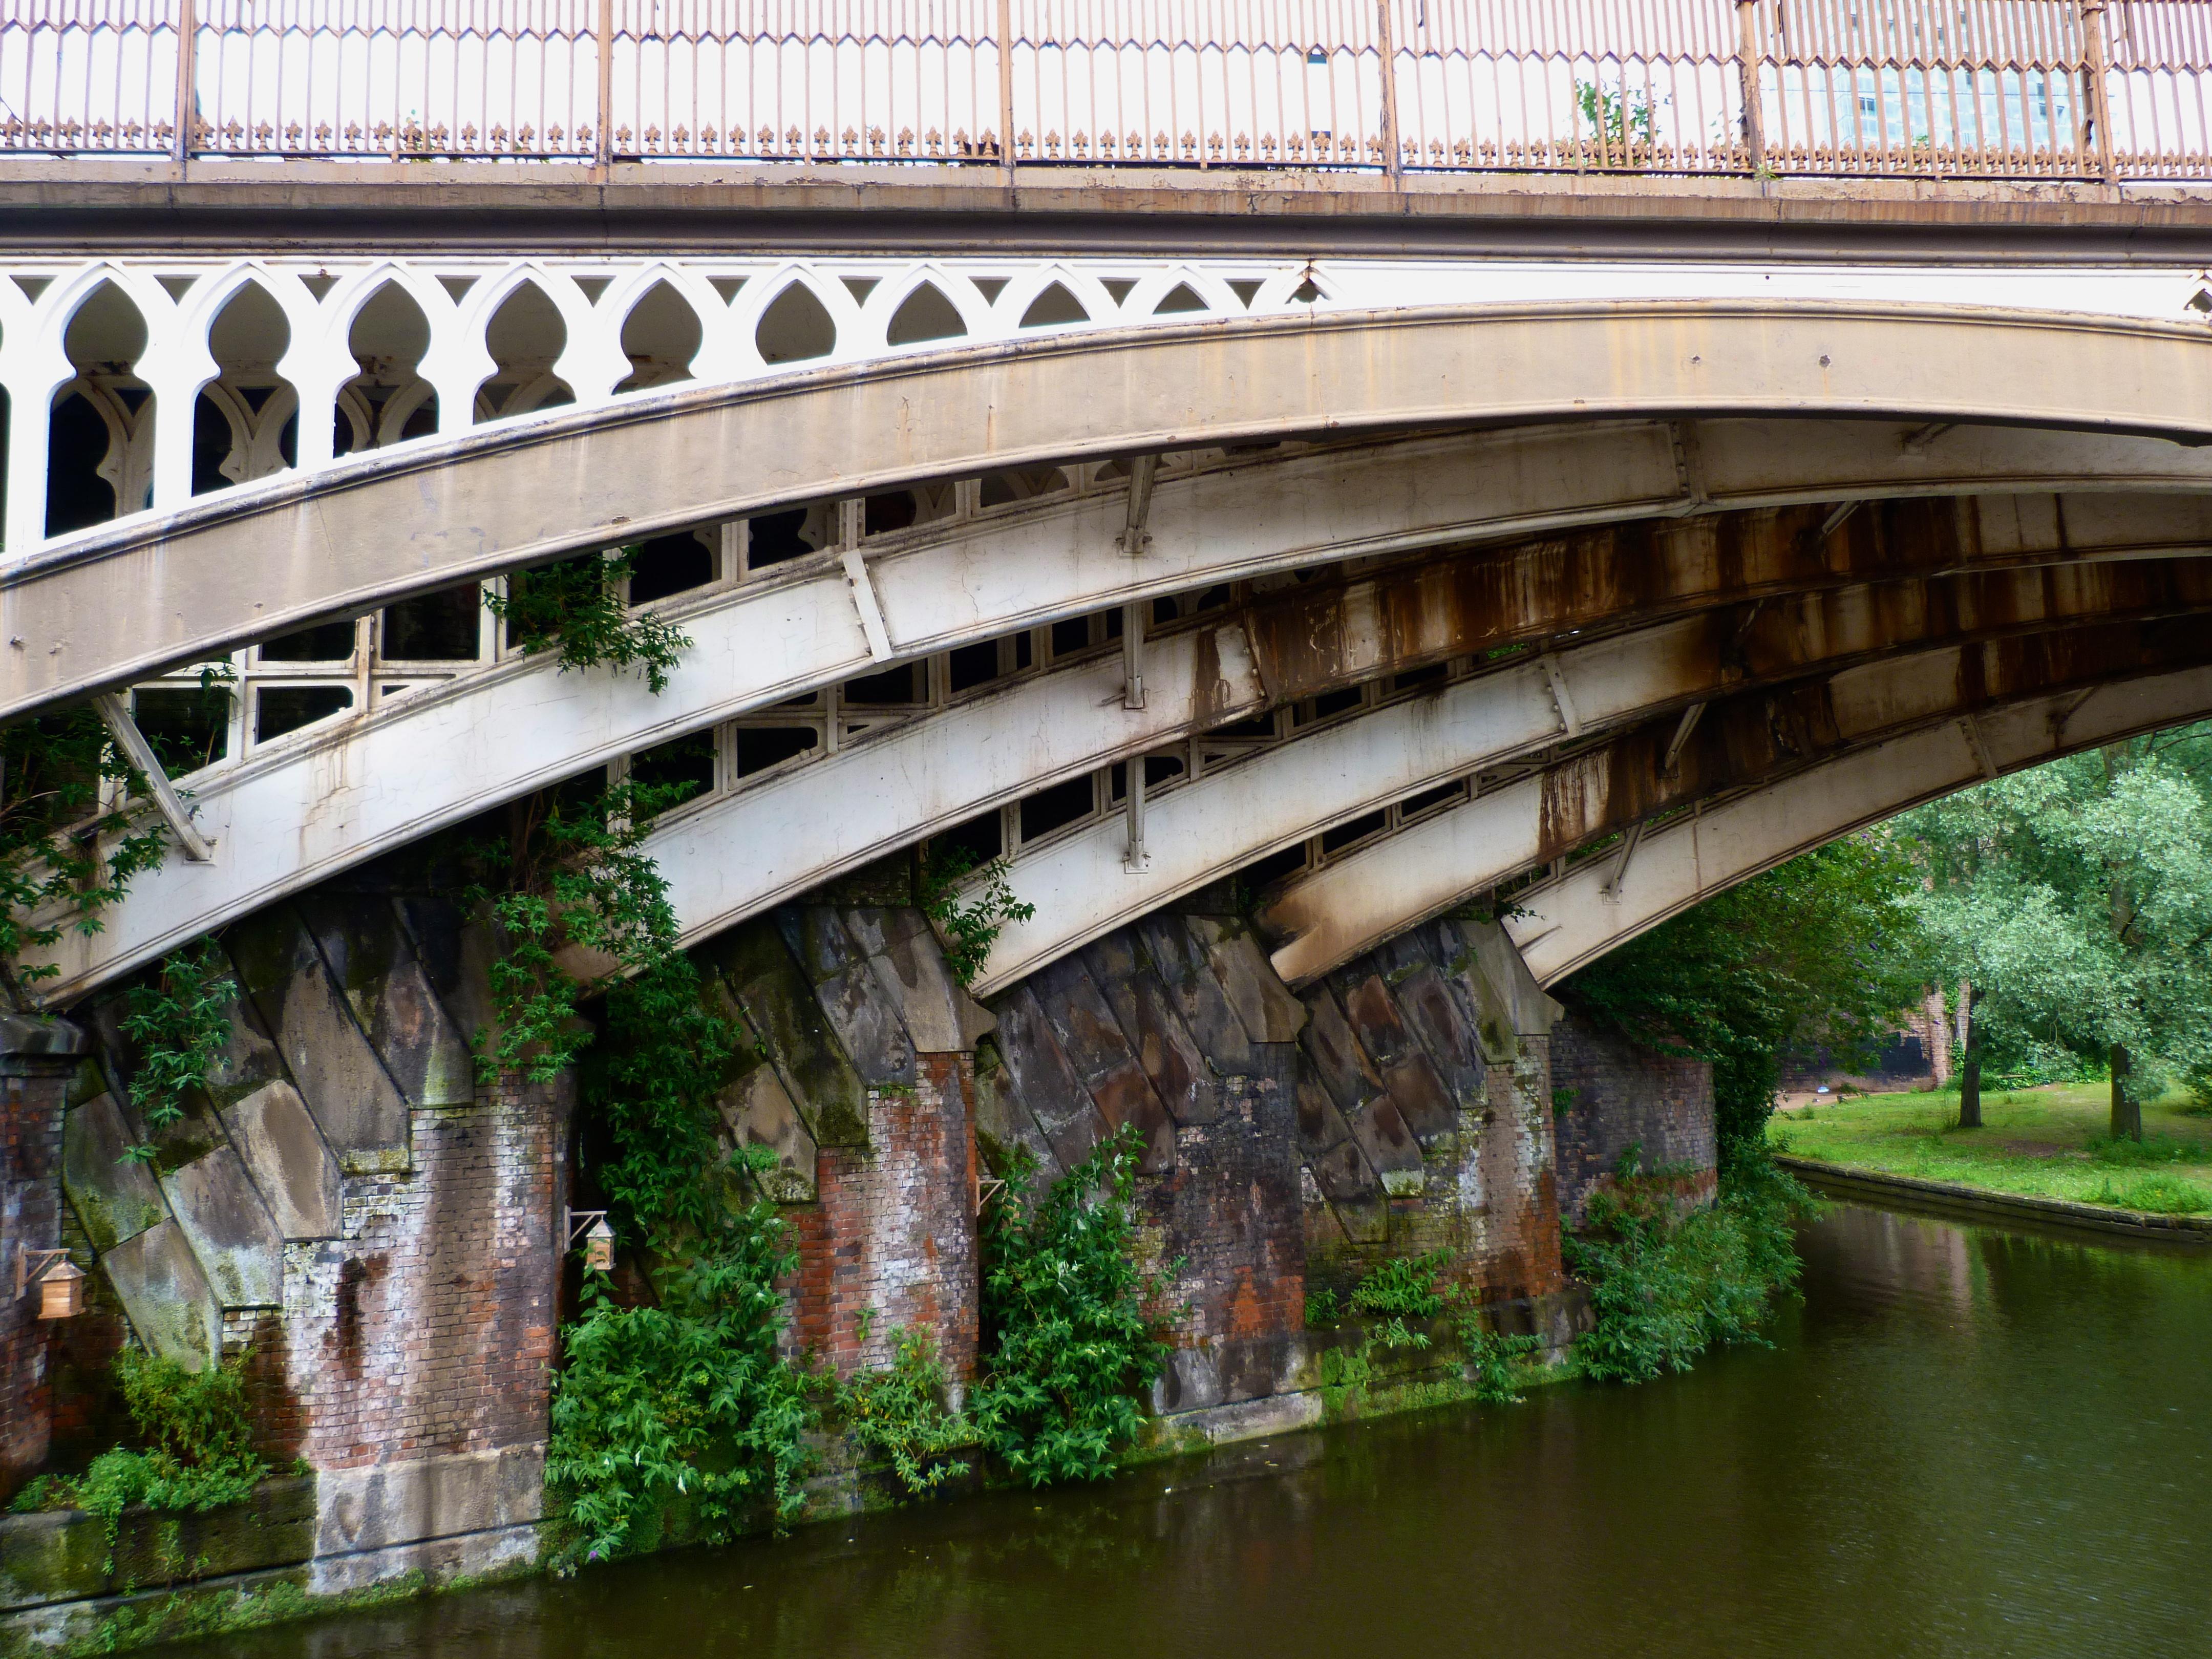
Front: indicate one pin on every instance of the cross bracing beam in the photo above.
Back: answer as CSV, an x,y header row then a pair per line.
x,y
1221,820
1567,923
97,609
1327,916
303,812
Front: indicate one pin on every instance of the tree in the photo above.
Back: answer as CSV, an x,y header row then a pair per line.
x,y
2077,898
1820,952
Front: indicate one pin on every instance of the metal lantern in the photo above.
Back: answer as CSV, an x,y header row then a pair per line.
x,y
599,1247
61,1291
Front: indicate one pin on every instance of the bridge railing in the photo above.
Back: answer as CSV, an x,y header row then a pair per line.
x,y
2003,88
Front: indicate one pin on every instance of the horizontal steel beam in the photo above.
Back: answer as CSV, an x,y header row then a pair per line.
x,y
1568,924
98,609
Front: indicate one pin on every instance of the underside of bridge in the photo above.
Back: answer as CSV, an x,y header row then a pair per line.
x,y
1259,647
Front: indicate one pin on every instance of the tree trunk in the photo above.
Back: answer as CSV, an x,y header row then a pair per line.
x,y
1970,1090
2127,1110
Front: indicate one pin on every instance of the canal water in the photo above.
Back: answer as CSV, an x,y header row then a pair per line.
x,y
1963,1442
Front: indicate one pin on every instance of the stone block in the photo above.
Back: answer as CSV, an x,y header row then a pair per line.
x,y
1531,1013
115,1198
1043,1079
274,1527
356,1102
818,941
868,1025
456,953
1343,1066
1320,1125
1411,1083
1188,977
1003,1122
939,1016
285,1155
1125,1096
371,957
1388,1144
759,1111
1270,1011
249,1059
57,1555
404,1503
1437,1018
1178,1073
757,971
1342,1173
231,1230
158,1280
1089,1032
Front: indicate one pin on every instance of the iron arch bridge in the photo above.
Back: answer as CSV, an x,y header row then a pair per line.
x,y
1385,583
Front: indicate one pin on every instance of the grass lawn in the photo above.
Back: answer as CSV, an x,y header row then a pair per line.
x,y
2047,1142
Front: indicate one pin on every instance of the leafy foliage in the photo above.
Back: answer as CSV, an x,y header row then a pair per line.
x,y
61,857
1404,1287
1496,1359
576,606
1821,951
900,1412
1069,1345
689,1400
181,1022
968,930
1667,1287
1621,116
2077,899
198,1446
1322,1308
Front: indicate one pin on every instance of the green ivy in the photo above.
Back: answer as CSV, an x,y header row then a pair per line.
x,y
60,855
199,1452
574,605
1666,1286
689,1400
900,1412
181,1022
1070,1347
968,930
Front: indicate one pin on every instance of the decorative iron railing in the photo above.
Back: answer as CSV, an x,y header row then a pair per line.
x,y
2001,88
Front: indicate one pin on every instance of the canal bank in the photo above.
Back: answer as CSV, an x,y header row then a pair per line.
x,y
1964,1440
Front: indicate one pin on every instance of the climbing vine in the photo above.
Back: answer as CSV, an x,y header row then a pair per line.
x,y
574,607
969,929
1069,1345
61,855
687,1401
180,1020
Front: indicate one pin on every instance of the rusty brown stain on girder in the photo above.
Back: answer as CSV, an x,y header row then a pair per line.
x,y
1756,736
1313,637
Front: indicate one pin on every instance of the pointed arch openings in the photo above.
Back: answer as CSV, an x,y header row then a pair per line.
x,y
526,337
245,421
99,436
388,400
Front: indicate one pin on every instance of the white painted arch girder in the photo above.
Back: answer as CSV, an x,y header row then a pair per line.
x,y
316,804
1570,923
1210,827
457,295
122,601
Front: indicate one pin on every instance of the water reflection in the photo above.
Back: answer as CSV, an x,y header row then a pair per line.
x,y
1964,1443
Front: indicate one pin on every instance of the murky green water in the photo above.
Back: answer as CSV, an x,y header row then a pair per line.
x,y
1965,1442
